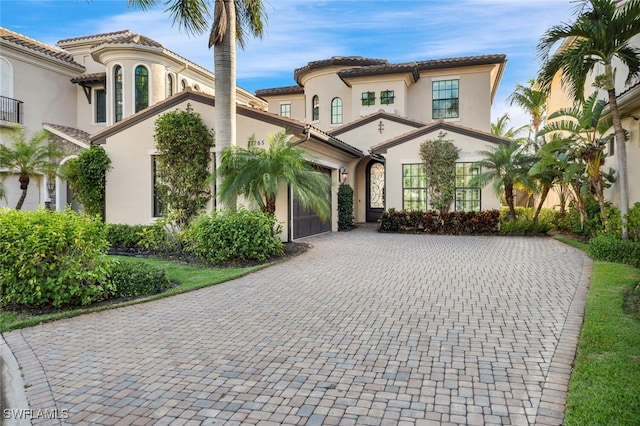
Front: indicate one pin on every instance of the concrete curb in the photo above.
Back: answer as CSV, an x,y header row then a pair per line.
x,y
12,393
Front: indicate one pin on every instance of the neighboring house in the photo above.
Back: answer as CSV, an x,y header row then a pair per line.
x,y
387,110
629,105
365,117
82,86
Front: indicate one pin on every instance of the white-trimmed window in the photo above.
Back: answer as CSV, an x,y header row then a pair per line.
x,y
100,106
285,110
336,111
118,101
141,85
315,108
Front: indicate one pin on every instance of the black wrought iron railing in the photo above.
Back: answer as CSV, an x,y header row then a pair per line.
x,y
11,110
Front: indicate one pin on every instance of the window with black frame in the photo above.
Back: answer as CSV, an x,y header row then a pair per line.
x,y
467,196
445,102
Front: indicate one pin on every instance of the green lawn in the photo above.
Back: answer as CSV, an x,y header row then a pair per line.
x,y
605,384
189,277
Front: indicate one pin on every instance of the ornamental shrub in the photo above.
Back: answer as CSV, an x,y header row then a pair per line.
x,y
345,207
130,279
86,175
432,222
234,236
611,248
123,237
52,258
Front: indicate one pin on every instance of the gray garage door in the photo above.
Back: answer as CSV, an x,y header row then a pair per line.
x,y
305,221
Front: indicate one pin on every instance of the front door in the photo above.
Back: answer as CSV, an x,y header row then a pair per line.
x,y
375,190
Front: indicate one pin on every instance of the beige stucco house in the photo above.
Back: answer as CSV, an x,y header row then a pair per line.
x,y
360,119
387,110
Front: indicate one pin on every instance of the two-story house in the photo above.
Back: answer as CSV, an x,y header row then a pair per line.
x,y
387,110
83,86
361,120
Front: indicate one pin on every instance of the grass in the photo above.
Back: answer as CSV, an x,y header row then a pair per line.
x,y
605,384
189,278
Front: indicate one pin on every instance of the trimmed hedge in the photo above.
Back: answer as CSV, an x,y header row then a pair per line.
x,y
52,258
122,236
432,222
137,279
610,248
234,236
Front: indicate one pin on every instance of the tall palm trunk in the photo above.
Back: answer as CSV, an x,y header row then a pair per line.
x,y
543,197
225,88
508,196
24,186
621,153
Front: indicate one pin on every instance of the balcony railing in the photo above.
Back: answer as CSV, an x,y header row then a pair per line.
x,y
11,110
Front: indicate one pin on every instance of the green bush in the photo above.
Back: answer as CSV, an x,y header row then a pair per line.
x,y
611,248
525,226
122,236
52,258
232,236
432,222
136,278
345,207
164,236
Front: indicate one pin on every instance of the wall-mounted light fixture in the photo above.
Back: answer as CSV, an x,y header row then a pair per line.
x,y
343,175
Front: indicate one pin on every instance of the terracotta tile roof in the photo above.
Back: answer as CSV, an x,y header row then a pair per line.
x,y
353,61
71,132
134,39
288,90
37,46
96,77
381,70
462,61
115,34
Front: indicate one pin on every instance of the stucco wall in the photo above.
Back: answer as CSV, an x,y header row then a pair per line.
x,y
408,153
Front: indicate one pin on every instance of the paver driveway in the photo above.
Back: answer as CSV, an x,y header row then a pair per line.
x,y
365,328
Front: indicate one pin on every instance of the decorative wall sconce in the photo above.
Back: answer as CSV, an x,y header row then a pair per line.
x,y
381,126
343,175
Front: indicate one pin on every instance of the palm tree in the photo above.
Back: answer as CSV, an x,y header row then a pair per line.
x,y
534,102
504,166
29,159
500,128
586,129
233,21
257,174
601,33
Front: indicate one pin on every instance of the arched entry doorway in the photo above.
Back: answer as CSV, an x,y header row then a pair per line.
x,y
374,190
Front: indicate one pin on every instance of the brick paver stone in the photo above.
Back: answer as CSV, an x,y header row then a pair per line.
x,y
364,328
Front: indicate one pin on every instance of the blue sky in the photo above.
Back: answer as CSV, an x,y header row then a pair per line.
x,y
299,31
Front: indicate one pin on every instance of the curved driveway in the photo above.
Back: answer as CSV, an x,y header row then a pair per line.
x,y
365,328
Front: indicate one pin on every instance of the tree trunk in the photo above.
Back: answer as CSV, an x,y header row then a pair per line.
x,y
508,196
225,90
543,197
621,153
24,186
270,205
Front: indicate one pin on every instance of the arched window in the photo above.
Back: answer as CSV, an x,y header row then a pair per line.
x,y
142,88
196,88
315,108
117,93
169,85
336,111
183,84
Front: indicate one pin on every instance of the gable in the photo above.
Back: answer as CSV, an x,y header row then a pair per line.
x,y
430,131
374,129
